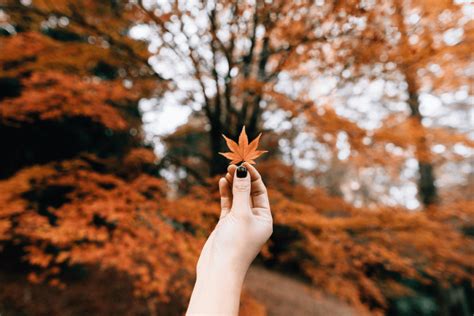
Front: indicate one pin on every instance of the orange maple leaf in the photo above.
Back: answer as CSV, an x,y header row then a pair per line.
x,y
243,151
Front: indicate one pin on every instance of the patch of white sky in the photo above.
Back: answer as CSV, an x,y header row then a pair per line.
x,y
162,117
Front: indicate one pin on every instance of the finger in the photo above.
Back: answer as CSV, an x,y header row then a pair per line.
x,y
241,191
230,173
258,190
229,182
224,190
230,177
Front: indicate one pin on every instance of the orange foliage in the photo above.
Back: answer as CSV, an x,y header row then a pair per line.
x,y
65,213
54,96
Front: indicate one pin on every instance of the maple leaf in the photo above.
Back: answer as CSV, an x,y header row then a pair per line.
x,y
243,151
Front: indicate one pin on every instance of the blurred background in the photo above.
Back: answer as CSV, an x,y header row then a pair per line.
x,y
111,115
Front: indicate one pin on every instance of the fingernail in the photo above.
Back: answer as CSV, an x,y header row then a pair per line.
x,y
241,172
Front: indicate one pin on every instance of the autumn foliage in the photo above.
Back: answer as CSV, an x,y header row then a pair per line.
x,y
86,216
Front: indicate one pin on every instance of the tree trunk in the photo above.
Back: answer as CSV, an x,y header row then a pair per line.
x,y
426,181
218,163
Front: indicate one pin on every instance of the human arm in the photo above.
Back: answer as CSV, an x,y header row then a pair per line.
x,y
245,224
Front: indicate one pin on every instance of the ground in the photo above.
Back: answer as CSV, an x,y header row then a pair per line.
x,y
283,295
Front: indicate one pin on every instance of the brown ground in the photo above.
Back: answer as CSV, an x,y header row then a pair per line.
x,y
283,296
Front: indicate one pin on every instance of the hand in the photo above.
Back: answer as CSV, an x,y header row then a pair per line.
x,y
245,224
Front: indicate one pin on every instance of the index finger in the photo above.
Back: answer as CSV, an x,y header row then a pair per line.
x,y
230,173
258,190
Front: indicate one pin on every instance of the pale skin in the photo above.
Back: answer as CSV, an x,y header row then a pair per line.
x,y
244,226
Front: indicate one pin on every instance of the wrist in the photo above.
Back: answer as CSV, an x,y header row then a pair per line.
x,y
223,270
220,283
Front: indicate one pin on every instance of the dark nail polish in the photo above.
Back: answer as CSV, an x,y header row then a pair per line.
x,y
241,172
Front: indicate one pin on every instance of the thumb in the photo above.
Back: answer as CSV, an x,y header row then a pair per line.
x,y
241,191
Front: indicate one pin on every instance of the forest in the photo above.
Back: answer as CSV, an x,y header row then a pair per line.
x,y
111,121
